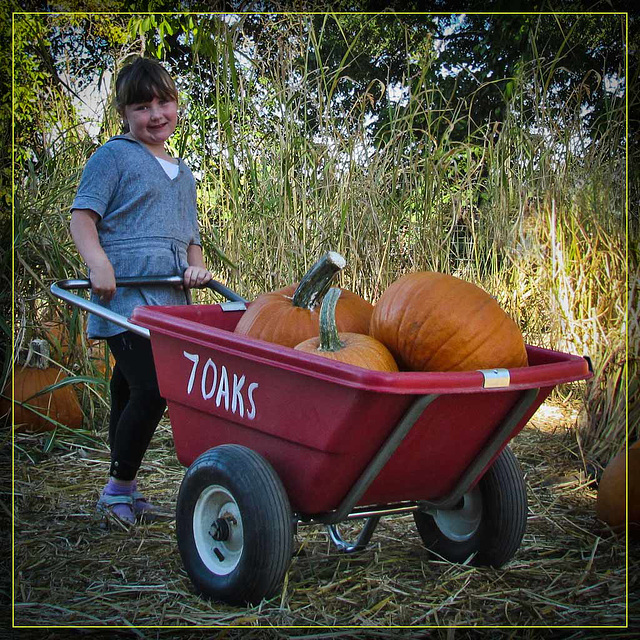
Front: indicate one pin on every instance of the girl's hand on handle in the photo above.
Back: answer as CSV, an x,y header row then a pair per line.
x,y
195,276
85,235
103,281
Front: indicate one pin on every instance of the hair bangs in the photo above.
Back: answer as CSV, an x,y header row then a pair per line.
x,y
143,81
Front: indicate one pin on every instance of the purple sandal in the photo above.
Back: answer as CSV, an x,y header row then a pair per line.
x,y
120,507
143,509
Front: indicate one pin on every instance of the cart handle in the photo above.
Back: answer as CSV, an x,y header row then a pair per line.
x,y
61,288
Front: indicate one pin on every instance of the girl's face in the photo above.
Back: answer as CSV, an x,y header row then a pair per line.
x,y
152,123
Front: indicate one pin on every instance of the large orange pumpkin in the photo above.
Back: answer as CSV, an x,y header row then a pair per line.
x,y
611,503
352,348
436,322
290,315
36,374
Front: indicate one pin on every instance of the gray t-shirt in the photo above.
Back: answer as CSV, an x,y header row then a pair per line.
x,y
147,222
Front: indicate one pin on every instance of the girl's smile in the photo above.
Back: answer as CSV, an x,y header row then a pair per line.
x,y
152,123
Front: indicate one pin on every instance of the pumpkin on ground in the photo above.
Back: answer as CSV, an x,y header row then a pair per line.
x,y
290,315
611,502
436,322
65,351
352,348
101,357
56,332
36,374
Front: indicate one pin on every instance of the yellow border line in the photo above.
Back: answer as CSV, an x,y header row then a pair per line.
x,y
626,381
13,329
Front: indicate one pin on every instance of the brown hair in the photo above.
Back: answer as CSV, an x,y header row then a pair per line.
x,y
141,81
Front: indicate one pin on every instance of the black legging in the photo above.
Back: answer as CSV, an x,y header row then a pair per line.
x,y
136,403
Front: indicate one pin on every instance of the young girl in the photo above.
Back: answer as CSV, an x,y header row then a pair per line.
x,y
135,214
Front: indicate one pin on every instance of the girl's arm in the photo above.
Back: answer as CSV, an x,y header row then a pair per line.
x,y
85,237
196,274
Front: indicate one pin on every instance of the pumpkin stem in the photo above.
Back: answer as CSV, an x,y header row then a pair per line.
x,y
38,355
317,280
328,334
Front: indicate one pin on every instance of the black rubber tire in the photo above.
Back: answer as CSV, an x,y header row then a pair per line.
x,y
263,545
502,522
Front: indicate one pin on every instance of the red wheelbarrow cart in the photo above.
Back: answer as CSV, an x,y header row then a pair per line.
x,y
273,438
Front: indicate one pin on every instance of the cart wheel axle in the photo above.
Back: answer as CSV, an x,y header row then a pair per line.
x,y
220,529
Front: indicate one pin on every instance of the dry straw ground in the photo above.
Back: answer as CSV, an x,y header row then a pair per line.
x,y
569,574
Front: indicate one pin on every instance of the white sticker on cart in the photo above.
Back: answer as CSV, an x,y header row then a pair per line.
x,y
224,388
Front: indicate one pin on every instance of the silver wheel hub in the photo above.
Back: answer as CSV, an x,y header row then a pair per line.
x,y
217,530
461,524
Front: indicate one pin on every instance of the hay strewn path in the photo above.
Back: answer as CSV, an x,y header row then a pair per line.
x,y
569,571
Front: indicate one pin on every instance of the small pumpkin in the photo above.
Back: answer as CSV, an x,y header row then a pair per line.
x,y
436,322
100,356
290,315
36,374
611,502
56,332
352,348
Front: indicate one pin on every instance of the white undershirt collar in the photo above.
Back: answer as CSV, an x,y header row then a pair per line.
x,y
170,168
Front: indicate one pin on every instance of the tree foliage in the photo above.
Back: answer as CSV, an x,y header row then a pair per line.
x,y
358,64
